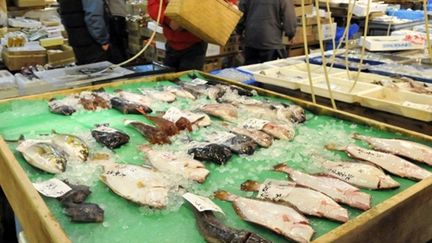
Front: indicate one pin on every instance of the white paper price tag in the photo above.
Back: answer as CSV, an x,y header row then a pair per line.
x,y
256,124
221,137
105,129
52,188
202,203
275,190
173,114
197,82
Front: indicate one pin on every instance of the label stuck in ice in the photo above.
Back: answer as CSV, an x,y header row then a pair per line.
x,y
202,203
221,137
106,129
52,188
197,82
173,114
275,190
256,124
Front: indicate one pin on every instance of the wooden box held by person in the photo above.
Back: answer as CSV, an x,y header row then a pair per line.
x,y
212,20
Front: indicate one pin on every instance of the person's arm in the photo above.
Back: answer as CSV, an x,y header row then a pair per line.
x,y
288,18
242,23
95,21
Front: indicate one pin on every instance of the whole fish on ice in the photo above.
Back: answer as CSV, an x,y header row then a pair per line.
x,y
339,190
128,107
404,148
135,98
168,127
238,144
212,152
138,184
388,162
152,134
109,137
164,96
216,232
281,219
180,92
74,147
61,107
43,155
176,163
305,200
280,131
359,174
226,112
261,138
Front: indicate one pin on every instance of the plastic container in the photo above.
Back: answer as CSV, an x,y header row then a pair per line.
x,y
28,86
256,68
285,77
284,62
8,85
340,89
314,68
415,106
363,77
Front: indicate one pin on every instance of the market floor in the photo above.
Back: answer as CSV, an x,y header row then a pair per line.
x,y
7,222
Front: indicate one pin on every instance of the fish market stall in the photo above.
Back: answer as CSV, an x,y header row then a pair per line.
x,y
226,142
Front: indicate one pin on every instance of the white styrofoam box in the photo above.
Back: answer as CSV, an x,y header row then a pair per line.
x,y
152,24
314,68
392,43
408,104
213,50
20,22
55,31
284,62
284,77
256,68
363,77
340,89
360,8
31,86
8,85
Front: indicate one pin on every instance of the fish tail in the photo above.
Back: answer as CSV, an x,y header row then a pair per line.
x,y
224,195
141,110
250,185
358,136
282,168
332,146
127,122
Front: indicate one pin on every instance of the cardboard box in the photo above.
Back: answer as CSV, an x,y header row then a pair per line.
x,y
298,38
212,64
308,10
29,3
213,21
15,60
313,21
60,55
306,2
392,43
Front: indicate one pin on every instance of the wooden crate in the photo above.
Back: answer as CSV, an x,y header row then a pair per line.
x,y
405,217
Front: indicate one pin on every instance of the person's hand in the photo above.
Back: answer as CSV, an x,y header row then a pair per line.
x,y
174,26
105,47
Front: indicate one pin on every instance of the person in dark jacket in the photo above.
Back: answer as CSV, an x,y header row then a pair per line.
x,y
86,24
262,25
183,50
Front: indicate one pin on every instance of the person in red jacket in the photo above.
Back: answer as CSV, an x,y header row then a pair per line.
x,y
183,50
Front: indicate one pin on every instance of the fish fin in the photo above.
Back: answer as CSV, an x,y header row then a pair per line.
x,y
141,110
332,146
224,195
250,185
144,148
282,167
127,121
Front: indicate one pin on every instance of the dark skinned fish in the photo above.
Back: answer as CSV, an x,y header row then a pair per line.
x,y
214,231
85,213
109,137
168,127
128,107
215,153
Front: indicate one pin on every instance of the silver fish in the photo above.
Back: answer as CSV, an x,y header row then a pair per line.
x,y
388,162
281,219
180,92
176,163
164,96
136,98
261,138
284,132
43,155
138,184
307,201
73,146
407,149
224,111
339,190
359,174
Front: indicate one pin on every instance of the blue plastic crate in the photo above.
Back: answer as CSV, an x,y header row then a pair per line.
x,y
407,14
